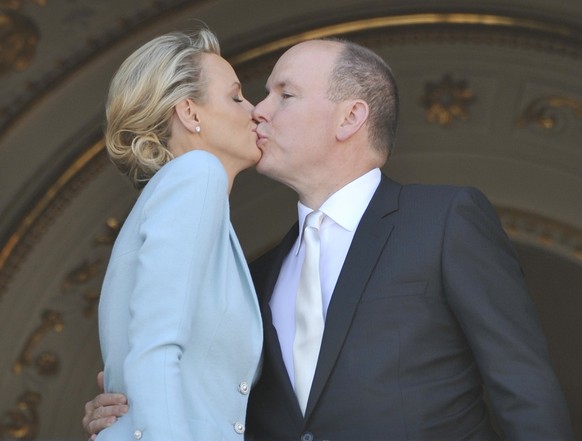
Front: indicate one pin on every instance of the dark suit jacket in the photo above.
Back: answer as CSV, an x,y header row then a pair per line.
x,y
430,306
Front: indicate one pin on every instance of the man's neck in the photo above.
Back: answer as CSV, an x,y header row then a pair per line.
x,y
315,199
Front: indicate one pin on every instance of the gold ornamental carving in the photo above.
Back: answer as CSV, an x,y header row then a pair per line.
x,y
78,281
545,233
19,37
82,274
22,423
112,227
410,21
57,197
34,361
447,100
543,112
47,363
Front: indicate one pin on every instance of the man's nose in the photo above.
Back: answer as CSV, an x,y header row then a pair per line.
x,y
260,111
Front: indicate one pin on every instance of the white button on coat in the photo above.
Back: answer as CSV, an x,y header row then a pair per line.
x,y
137,434
243,388
239,428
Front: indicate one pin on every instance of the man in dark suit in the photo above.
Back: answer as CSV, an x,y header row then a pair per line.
x,y
424,302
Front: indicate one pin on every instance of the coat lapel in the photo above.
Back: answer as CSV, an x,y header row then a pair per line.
x,y
241,261
369,240
266,269
267,274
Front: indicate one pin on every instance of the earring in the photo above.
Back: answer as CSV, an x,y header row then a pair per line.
x,y
197,129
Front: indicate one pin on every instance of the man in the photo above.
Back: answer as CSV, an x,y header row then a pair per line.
x,y
423,299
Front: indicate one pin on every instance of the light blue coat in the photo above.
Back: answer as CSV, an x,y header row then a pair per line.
x,y
179,322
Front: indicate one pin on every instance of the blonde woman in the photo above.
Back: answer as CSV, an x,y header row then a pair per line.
x,y
179,323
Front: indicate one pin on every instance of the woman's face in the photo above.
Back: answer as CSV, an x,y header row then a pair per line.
x,y
227,127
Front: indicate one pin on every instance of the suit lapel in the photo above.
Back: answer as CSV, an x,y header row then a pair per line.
x,y
242,263
369,240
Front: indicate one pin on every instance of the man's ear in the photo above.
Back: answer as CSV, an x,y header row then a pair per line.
x,y
189,114
355,115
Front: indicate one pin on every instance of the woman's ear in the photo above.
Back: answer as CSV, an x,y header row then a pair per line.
x,y
188,113
354,116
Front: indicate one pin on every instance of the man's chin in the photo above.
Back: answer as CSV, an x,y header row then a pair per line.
x,y
262,167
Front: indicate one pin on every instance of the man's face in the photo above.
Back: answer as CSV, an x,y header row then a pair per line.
x,y
297,121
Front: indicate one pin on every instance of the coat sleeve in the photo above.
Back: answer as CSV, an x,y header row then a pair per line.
x,y
181,223
486,290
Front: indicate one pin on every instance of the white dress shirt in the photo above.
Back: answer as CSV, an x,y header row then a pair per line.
x,y
343,212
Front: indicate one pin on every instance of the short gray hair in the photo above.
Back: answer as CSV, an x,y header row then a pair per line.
x,y
360,73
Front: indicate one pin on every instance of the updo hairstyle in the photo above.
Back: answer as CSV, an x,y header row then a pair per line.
x,y
142,96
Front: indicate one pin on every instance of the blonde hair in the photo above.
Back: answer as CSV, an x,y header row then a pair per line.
x,y
142,96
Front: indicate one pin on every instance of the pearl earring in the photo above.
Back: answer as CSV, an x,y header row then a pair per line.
x,y
197,129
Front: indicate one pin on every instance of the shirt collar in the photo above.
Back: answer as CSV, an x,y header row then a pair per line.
x,y
346,206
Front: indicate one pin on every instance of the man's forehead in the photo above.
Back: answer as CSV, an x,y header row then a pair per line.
x,y
307,51
297,66
286,75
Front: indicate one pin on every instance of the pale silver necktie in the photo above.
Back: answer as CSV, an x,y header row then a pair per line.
x,y
308,312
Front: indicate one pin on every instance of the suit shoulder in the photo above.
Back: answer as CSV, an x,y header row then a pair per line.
x,y
444,199
440,192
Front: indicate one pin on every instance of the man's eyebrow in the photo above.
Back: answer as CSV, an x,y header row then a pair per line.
x,y
280,85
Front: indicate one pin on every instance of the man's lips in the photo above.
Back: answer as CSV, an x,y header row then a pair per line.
x,y
261,138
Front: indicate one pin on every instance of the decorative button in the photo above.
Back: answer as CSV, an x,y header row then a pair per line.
x,y
239,428
243,388
137,434
307,437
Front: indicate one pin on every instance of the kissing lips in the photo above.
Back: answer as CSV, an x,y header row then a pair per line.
x,y
261,139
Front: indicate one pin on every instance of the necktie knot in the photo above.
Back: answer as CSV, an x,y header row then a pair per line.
x,y
313,220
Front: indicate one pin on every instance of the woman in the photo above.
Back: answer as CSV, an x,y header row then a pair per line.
x,y
179,323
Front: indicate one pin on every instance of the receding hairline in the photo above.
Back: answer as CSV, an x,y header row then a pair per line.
x,y
320,44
